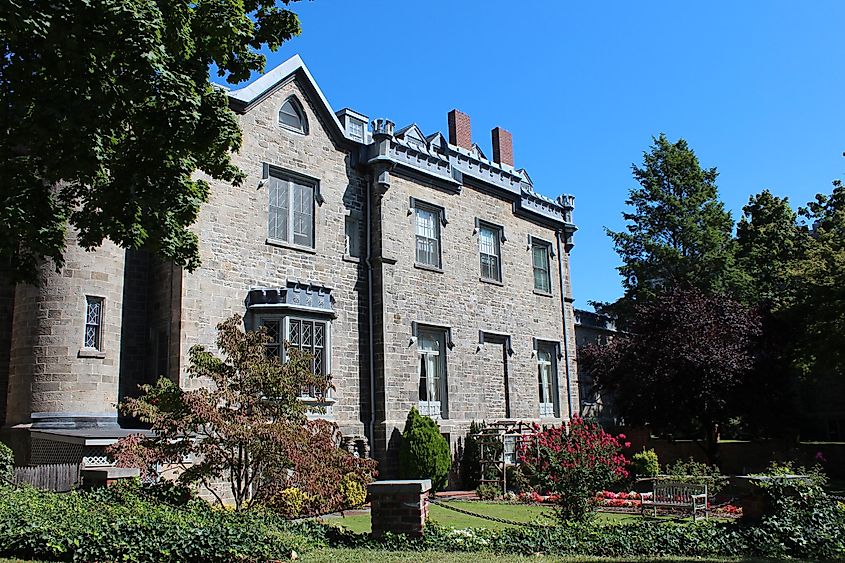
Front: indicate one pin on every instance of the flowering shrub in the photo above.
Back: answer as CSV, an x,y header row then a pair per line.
x,y
572,462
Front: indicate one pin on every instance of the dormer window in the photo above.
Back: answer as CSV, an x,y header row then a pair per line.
x,y
292,116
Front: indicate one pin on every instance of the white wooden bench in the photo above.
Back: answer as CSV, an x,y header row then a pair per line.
x,y
676,494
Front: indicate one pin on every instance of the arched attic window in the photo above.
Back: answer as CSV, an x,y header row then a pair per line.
x,y
292,116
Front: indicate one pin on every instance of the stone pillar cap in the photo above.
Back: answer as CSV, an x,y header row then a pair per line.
x,y
400,486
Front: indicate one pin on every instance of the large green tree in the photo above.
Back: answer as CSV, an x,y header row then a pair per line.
x,y
819,312
106,113
770,242
679,235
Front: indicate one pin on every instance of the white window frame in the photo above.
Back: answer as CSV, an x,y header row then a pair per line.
x,y
97,345
432,405
434,240
547,378
284,321
546,247
496,237
276,180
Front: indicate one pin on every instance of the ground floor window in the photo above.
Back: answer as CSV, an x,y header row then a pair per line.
x,y
431,347
308,335
547,378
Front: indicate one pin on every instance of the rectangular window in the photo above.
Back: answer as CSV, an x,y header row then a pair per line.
x,y
540,259
428,235
290,211
304,334
547,378
93,323
489,249
431,346
352,229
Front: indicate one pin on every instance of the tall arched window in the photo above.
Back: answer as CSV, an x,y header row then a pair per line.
x,y
292,116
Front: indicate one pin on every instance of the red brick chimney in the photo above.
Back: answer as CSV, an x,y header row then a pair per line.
x,y
502,146
460,132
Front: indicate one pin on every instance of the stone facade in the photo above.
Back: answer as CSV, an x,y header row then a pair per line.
x,y
345,268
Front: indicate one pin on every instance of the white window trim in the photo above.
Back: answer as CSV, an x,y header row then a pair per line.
x,y
497,247
548,409
299,109
536,242
434,409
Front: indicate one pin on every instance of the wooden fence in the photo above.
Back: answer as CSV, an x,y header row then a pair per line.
x,y
60,477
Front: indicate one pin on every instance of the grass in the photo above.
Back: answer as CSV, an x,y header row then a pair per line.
x,y
518,512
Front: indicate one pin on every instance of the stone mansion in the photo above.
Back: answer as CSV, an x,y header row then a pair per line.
x,y
416,270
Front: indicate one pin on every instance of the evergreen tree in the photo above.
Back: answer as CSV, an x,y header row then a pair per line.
x,y
679,235
424,453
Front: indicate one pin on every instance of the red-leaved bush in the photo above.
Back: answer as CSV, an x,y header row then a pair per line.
x,y
573,462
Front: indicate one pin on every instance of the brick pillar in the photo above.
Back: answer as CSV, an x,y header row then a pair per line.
x,y
400,507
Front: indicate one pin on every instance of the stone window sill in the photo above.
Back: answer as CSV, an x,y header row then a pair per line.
x,y
90,353
491,281
353,259
283,244
427,267
543,293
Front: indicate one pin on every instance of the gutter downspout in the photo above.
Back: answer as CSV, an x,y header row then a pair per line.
x,y
372,424
565,325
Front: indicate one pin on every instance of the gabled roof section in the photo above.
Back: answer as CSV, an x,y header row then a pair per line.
x,y
412,133
244,99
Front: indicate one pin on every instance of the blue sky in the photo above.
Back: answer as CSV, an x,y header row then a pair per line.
x,y
756,88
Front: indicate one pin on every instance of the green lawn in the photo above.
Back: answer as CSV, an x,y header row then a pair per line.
x,y
446,517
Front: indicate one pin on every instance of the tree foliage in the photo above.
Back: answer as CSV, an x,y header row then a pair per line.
x,y
424,453
679,235
683,365
239,429
106,113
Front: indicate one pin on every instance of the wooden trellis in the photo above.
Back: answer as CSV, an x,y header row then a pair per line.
x,y
498,443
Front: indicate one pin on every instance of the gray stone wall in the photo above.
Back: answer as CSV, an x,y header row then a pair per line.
x,y
232,228
49,373
7,305
458,299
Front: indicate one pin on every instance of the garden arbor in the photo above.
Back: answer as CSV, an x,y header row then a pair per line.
x,y
499,443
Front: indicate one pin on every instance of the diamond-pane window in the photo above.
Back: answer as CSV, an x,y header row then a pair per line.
x,y
274,346
93,322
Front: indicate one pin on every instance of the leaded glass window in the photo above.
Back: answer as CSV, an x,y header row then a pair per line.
x,y
310,336
290,211
431,347
292,116
488,246
540,259
428,236
93,322
547,378
274,333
